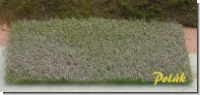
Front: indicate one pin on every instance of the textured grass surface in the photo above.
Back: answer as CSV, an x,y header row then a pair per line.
x,y
95,50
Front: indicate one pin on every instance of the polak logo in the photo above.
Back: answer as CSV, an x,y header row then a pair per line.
x,y
169,79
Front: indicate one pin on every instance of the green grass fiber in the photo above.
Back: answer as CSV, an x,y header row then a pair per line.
x,y
95,50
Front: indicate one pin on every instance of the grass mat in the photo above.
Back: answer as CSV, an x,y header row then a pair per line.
x,y
95,50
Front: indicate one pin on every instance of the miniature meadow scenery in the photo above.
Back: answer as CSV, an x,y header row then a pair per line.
x,y
100,41
95,50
